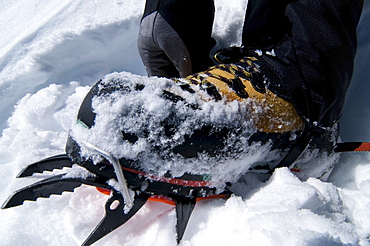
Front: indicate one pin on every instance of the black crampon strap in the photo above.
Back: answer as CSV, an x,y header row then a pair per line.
x,y
298,147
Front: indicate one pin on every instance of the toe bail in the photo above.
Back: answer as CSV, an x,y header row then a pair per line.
x,y
122,182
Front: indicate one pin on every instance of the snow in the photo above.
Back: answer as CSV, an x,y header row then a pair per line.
x,y
52,52
141,113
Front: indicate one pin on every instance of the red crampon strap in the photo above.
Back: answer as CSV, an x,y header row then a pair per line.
x,y
165,199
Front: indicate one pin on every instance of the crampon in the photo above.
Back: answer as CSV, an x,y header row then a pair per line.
x,y
128,196
129,184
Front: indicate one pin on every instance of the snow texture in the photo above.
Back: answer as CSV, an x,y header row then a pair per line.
x,y
52,52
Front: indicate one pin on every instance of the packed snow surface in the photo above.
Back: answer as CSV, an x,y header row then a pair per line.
x,y
52,52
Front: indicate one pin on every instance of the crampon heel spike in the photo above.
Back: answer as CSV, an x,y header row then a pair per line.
x,y
48,164
115,215
184,208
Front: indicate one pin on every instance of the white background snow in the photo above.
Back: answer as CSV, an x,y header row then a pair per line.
x,y
52,51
